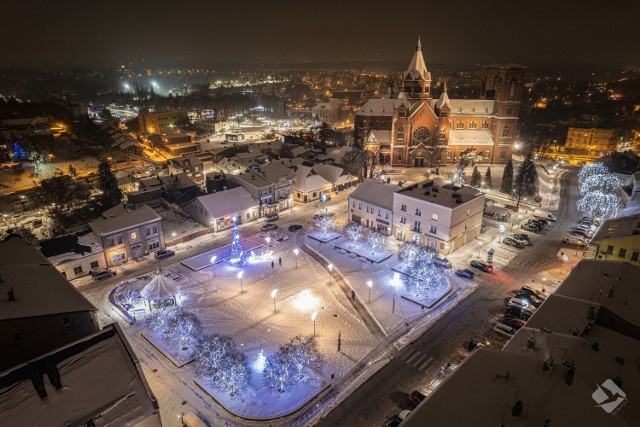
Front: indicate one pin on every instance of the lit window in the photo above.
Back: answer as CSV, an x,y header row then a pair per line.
x,y
134,235
434,216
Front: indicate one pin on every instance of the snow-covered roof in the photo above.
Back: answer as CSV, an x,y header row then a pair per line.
x,y
444,195
228,202
379,137
160,288
417,68
305,180
474,107
328,172
616,228
470,137
143,214
101,380
375,192
300,150
176,181
443,100
274,171
380,107
39,288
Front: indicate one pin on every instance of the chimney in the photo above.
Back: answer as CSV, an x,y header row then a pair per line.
x,y
11,294
612,290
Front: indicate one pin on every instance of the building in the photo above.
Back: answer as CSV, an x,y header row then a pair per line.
x,y
437,215
330,112
308,185
210,126
338,177
128,234
174,188
592,141
618,239
427,131
371,205
270,187
574,363
74,255
216,210
156,122
39,309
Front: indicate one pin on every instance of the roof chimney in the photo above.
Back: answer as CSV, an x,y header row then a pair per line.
x,y
11,294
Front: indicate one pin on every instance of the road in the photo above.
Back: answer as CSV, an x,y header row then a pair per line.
x,y
413,367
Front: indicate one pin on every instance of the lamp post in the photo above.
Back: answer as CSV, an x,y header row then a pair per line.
x,y
296,251
479,247
370,285
314,315
239,276
395,282
330,267
273,295
213,262
502,229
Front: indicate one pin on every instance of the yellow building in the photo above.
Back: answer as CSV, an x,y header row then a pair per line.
x,y
618,239
156,122
592,141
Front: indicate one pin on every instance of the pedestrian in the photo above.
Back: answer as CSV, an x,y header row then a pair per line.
x,y
353,295
272,264
280,261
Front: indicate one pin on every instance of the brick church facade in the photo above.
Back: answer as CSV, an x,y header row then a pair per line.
x,y
416,129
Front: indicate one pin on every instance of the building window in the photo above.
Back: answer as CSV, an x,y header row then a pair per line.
x,y
416,225
473,125
434,216
403,220
400,234
416,239
403,208
622,253
418,212
485,125
94,264
77,270
503,155
441,136
134,235
443,114
433,229
509,111
460,125
609,250
634,256
360,206
119,240
399,157
353,204
512,90
505,131
386,215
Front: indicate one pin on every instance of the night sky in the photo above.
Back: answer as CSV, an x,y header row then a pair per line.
x,y
283,31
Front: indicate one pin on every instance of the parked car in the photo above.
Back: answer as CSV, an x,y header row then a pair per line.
x,y
295,227
586,229
468,274
269,226
512,321
530,227
534,292
585,235
102,274
521,303
531,299
416,397
504,329
404,414
518,313
540,221
481,266
512,242
472,345
519,239
271,217
535,224
441,262
163,253
546,215
574,239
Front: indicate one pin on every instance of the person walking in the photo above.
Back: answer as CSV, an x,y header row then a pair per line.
x,y
272,264
280,261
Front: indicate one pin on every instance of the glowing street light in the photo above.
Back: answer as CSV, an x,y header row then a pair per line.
x,y
502,230
239,276
479,247
314,315
296,252
273,295
370,285
395,283
330,267
213,262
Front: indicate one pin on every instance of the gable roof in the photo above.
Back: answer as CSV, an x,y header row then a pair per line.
x,y
160,288
228,202
478,107
328,172
143,214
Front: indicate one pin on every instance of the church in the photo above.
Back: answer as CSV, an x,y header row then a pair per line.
x,y
414,129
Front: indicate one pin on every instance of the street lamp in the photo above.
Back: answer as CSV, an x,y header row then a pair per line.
x,y
330,267
273,295
213,262
370,285
296,252
502,230
479,247
313,318
395,283
239,276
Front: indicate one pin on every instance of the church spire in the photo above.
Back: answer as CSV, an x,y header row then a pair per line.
x,y
443,101
419,45
417,68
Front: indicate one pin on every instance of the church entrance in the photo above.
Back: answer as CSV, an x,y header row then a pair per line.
x,y
418,161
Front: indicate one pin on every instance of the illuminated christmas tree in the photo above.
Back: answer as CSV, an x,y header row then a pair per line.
x,y
237,254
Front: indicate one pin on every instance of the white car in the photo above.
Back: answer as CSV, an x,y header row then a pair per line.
x,y
522,304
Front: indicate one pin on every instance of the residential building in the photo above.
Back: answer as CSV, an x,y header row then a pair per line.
x,y
425,131
216,210
592,141
330,112
157,121
308,185
572,364
338,177
174,188
269,186
371,205
618,239
128,233
437,215
39,309
74,255
215,126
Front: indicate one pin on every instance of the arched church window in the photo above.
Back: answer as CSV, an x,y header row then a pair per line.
x,y
512,89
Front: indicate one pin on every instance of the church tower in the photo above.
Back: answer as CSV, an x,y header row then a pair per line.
x,y
417,80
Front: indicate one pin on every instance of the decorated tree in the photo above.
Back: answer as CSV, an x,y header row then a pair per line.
x,y
476,178
279,373
599,191
458,178
324,223
507,179
598,204
424,274
488,182
160,320
302,351
354,232
592,169
183,327
218,358
375,241
409,252
237,253
235,375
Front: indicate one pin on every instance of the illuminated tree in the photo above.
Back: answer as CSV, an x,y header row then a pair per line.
x,y
375,241
183,327
324,222
598,204
218,358
409,252
354,232
302,352
160,320
279,373
526,182
599,190
237,253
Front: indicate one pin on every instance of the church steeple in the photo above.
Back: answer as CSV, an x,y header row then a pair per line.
x,y
443,102
417,79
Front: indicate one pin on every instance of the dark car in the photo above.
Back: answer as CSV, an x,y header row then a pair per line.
x,y
512,321
530,227
102,274
522,236
481,266
163,253
528,290
271,217
295,227
512,242
416,397
267,227
468,274
518,313
582,234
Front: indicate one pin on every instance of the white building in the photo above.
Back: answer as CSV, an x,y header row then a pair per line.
x,y
330,112
371,205
216,210
437,215
273,191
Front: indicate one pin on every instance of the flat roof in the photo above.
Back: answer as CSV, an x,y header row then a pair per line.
x,y
439,192
375,192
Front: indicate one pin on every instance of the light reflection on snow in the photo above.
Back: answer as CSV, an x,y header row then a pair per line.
x,y
305,301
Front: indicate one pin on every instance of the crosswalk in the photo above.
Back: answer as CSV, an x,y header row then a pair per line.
x,y
416,359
